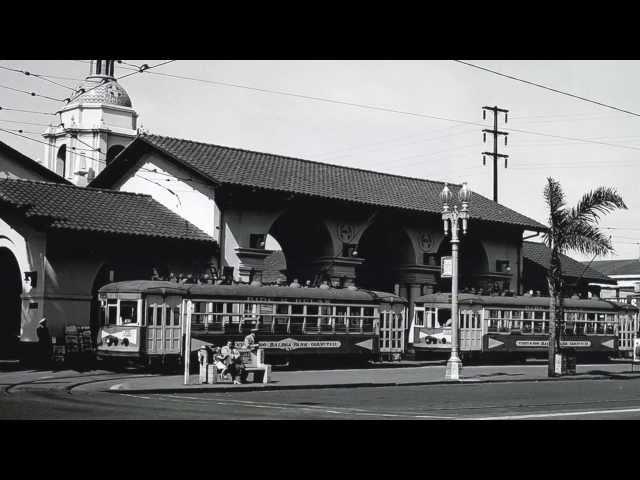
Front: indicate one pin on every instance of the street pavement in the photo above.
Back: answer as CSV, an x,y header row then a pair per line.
x,y
495,392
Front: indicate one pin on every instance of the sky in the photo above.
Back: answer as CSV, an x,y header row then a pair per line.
x,y
399,143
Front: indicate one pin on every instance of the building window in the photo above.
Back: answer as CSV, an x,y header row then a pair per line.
x,y
257,240
349,250
502,266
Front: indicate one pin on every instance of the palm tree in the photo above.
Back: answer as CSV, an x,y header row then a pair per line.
x,y
573,229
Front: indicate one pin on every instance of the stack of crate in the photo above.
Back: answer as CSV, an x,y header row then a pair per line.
x,y
72,339
78,342
84,339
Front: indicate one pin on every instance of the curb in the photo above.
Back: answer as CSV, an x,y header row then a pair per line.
x,y
267,388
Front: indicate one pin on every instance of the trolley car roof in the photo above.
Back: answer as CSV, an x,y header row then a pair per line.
x,y
522,301
244,291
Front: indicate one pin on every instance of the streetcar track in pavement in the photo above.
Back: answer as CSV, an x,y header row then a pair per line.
x,y
292,406
414,414
52,379
427,413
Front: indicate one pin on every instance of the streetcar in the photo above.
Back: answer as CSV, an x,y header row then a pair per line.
x,y
144,321
518,326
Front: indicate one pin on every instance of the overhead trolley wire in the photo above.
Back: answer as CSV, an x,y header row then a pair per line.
x,y
41,77
389,110
26,111
33,94
550,89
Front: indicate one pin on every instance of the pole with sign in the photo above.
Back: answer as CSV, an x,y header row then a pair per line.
x,y
454,217
446,267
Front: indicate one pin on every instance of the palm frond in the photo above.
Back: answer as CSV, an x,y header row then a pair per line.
x,y
553,195
599,201
586,238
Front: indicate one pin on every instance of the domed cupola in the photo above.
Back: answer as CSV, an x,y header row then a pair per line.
x,y
102,87
94,126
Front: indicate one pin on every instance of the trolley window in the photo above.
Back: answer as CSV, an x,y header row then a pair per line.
x,y
128,312
112,312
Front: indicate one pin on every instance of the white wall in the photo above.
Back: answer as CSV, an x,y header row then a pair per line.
x,y
28,246
193,201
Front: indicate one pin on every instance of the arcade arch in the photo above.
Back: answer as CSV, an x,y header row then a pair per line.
x,y
473,263
304,240
385,247
10,300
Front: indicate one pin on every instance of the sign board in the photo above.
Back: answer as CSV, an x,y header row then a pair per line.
x,y
446,267
636,350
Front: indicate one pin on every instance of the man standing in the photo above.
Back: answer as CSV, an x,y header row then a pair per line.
x,y
44,343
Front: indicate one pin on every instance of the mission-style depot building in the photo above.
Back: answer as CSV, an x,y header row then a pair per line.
x,y
157,205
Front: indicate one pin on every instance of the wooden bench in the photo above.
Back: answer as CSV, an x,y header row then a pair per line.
x,y
253,361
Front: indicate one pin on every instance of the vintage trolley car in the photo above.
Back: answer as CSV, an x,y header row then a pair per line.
x,y
518,326
145,320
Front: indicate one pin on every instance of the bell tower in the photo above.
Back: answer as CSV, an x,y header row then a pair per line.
x,y
96,124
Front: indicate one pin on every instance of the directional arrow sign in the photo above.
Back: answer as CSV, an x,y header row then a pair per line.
x,y
493,343
609,343
368,344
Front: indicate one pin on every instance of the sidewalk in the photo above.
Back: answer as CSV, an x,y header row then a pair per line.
x,y
374,377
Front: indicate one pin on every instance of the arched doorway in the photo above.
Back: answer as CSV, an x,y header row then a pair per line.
x,y
10,291
61,161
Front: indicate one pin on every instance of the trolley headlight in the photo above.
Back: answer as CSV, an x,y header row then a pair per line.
x,y
444,340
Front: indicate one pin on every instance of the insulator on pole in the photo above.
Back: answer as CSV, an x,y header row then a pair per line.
x,y
484,114
484,137
505,140
484,160
505,117
505,163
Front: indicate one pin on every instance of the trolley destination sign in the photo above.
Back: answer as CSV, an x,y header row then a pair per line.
x,y
496,342
293,344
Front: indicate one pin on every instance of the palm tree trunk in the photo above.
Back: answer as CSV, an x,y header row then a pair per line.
x,y
552,329
555,307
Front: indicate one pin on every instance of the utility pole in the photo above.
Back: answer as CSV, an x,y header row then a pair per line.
x,y
495,132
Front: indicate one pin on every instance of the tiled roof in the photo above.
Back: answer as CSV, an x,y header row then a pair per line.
x,y
233,166
68,207
540,254
29,163
618,267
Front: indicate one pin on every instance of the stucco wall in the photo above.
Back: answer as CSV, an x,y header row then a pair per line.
x,y
193,200
28,246
11,167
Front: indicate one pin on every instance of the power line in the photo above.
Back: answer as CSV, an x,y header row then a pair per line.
x,y
33,94
23,131
26,111
41,77
25,123
39,141
143,68
384,109
549,88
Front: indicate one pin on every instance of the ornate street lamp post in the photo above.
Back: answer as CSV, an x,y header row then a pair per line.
x,y
454,364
